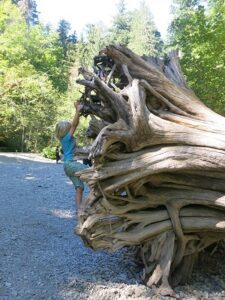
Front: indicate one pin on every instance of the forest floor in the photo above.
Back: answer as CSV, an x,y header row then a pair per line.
x,y
42,258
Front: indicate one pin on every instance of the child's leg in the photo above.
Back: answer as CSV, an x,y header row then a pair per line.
x,y
78,196
70,169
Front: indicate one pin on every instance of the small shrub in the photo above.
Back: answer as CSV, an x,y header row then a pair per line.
x,y
49,152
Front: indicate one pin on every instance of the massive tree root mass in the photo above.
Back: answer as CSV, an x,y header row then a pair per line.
x,y
158,177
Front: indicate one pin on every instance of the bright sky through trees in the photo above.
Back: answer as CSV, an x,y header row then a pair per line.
x,y
79,13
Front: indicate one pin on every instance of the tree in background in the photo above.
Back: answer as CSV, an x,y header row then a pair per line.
x,y
143,36
63,30
65,38
92,40
198,31
69,44
136,30
29,10
32,75
119,33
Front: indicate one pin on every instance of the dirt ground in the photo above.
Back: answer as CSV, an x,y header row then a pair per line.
x,y
41,257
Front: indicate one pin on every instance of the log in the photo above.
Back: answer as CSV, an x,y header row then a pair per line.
x,y
157,180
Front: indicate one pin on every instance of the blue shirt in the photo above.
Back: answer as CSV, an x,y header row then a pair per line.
x,y
68,146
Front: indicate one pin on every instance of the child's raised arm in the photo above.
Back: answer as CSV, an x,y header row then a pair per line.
x,y
76,118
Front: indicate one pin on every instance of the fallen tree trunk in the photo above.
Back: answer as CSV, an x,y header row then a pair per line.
x,y
157,180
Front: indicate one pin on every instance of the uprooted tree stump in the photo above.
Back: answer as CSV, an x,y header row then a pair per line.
x,y
158,175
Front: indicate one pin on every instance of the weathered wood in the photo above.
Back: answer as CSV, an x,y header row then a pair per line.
x,y
157,180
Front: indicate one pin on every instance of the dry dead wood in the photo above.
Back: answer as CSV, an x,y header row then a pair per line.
x,y
158,175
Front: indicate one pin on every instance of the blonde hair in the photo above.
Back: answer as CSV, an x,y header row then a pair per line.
x,y
62,128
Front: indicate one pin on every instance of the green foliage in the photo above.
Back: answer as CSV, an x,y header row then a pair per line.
x,y
120,31
27,111
136,30
199,33
39,47
93,40
81,138
29,11
142,31
63,30
31,77
49,152
67,41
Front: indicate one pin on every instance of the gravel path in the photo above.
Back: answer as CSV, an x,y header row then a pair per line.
x,y
41,258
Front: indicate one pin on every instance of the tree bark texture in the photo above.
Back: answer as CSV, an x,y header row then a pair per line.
x,y
158,175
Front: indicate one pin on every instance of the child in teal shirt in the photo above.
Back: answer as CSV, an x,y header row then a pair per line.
x,y
64,131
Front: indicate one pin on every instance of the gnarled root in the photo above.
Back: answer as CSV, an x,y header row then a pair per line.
x,y
157,181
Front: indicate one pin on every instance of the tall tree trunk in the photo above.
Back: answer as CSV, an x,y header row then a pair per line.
x,y
158,175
